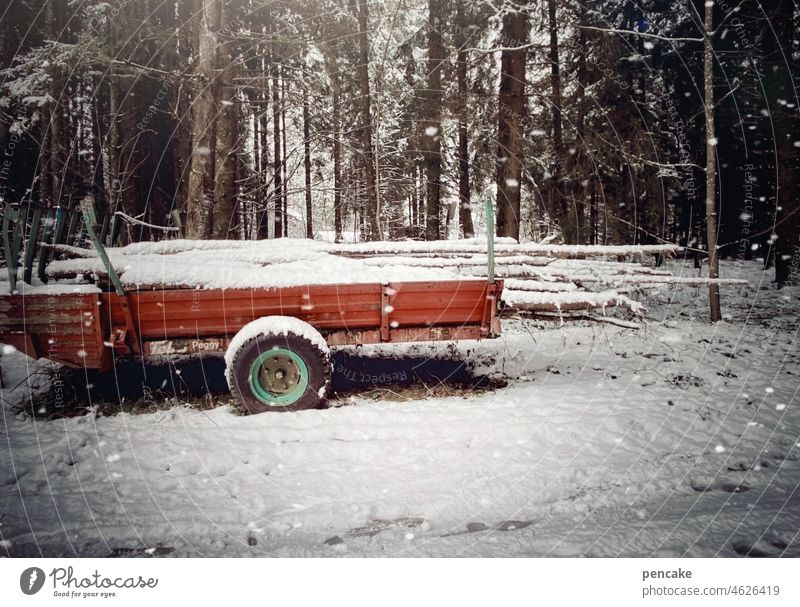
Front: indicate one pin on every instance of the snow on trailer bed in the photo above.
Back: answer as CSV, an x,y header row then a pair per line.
x,y
532,268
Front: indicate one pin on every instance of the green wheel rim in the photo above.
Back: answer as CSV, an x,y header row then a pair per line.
x,y
278,377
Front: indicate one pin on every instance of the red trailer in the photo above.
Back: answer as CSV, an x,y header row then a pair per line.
x,y
275,340
94,329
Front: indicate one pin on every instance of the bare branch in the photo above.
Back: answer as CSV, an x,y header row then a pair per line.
x,y
642,34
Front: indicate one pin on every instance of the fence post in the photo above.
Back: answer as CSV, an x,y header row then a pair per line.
x,y
490,239
9,220
30,246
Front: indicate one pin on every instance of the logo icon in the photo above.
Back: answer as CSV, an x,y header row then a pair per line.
x,y
31,580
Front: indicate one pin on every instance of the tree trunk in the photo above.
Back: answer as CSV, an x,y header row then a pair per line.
x,y
431,135
263,179
558,206
580,189
49,184
284,164
212,179
200,191
778,43
464,211
711,167
111,149
307,163
413,219
371,199
226,149
512,112
337,148
277,198
181,151
129,158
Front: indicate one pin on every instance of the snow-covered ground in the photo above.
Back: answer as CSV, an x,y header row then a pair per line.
x,y
679,438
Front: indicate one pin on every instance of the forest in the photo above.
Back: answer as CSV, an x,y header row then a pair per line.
x,y
602,122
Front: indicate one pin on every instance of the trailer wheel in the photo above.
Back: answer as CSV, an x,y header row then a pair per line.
x,y
278,363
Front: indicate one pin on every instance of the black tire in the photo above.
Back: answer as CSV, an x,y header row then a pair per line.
x,y
317,363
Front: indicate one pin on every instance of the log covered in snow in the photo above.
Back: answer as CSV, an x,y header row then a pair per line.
x,y
575,300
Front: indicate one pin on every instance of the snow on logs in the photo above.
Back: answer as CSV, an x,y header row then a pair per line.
x,y
539,278
531,301
503,247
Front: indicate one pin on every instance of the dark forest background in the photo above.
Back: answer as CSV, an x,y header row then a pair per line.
x,y
386,119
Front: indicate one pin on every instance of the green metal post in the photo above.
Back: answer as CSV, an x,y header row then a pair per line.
x,y
19,232
490,238
116,226
44,249
104,229
9,218
61,226
73,223
30,246
89,220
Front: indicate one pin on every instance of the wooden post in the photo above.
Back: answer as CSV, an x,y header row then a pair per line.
x,y
711,168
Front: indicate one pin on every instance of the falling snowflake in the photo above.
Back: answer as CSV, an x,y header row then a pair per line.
x,y
719,449
431,131
512,183
769,390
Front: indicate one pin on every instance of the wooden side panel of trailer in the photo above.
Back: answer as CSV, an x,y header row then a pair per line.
x,y
83,329
66,327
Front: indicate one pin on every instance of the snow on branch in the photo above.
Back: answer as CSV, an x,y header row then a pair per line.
x,y
611,30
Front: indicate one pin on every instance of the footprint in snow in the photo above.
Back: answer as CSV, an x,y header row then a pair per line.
x,y
510,525
140,552
760,548
728,485
734,487
375,526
